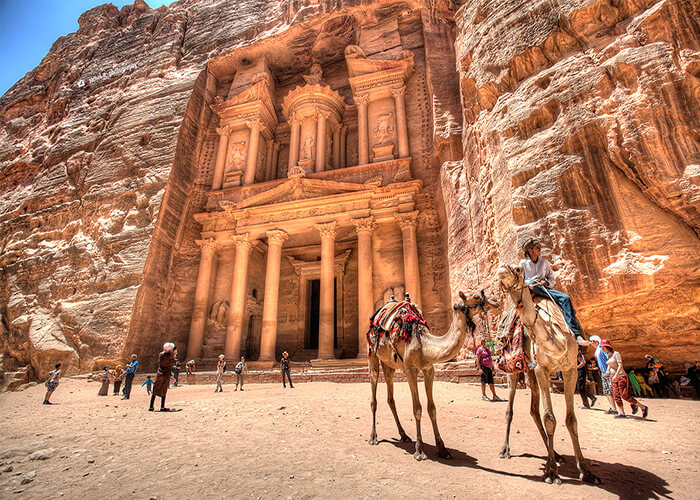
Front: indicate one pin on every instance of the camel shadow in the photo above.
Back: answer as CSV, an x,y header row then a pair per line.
x,y
624,481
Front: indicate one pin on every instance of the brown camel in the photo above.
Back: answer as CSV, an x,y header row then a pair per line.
x,y
420,353
556,350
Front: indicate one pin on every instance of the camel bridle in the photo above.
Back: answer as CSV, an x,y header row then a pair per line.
x,y
465,310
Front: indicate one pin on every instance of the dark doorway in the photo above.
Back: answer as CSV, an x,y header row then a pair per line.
x,y
314,310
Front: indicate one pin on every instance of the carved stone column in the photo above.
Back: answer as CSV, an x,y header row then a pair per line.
x,y
408,222
336,147
268,341
268,159
201,298
295,130
234,329
255,127
365,301
343,142
326,343
321,141
275,161
220,158
400,104
362,128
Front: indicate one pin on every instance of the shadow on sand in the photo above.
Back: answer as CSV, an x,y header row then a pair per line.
x,y
625,481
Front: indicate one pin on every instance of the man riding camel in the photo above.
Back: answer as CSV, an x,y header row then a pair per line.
x,y
540,278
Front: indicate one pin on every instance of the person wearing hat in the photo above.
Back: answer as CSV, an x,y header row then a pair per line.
x,y
540,278
620,382
284,367
602,360
104,378
220,369
165,366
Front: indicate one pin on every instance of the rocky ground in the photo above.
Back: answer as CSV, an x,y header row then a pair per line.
x,y
270,442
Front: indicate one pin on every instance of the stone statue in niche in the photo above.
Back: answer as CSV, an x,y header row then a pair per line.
x,y
384,131
315,76
237,159
219,312
309,148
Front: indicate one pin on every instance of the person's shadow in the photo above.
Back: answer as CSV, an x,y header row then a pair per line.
x,y
624,481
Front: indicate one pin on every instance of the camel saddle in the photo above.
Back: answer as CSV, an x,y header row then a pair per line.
x,y
393,321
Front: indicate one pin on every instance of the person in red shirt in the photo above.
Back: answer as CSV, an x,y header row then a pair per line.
x,y
485,362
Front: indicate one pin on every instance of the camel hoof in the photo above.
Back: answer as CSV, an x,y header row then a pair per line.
x,y
373,441
548,480
419,455
587,477
505,452
445,454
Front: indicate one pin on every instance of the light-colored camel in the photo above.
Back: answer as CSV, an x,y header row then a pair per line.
x,y
420,353
556,351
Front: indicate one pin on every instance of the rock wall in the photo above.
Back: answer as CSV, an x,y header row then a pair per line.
x,y
581,127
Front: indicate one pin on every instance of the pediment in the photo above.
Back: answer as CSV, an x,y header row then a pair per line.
x,y
297,189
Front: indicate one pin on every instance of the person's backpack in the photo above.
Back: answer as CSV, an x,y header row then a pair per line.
x,y
239,368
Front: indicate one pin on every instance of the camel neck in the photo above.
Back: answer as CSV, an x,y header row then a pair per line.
x,y
438,349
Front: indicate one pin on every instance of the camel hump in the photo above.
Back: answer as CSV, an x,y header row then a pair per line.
x,y
550,312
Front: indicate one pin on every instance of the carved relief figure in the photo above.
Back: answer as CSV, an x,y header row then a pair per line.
x,y
219,312
315,76
237,159
384,131
309,148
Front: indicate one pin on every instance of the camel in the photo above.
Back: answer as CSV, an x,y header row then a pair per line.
x,y
556,351
420,353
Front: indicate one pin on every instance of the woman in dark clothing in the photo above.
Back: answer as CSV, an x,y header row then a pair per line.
x,y
165,365
581,382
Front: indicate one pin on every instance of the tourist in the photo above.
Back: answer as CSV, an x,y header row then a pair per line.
x,y
118,377
176,372
130,373
220,369
485,362
166,359
620,382
539,277
284,368
594,374
105,376
655,382
694,376
52,383
148,383
654,364
602,360
581,382
634,385
190,366
241,370
643,386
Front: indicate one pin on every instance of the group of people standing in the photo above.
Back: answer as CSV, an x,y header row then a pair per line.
x,y
117,376
241,370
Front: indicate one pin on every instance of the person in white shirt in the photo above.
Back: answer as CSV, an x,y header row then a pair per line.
x,y
540,278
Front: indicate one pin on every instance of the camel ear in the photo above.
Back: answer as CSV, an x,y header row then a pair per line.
x,y
462,296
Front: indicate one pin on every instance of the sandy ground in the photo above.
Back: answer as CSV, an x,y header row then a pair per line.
x,y
270,442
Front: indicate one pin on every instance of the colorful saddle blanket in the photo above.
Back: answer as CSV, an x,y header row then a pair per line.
x,y
510,354
395,320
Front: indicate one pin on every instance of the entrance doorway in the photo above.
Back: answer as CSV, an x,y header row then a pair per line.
x,y
312,320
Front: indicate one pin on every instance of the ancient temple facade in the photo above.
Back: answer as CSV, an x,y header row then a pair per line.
x,y
315,215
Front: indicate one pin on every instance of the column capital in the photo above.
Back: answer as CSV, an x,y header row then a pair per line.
x,y
242,241
276,236
223,130
406,220
327,230
323,113
361,99
275,145
255,124
399,91
364,225
295,118
208,245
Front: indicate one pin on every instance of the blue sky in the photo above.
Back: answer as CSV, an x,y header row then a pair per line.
x,y
28,28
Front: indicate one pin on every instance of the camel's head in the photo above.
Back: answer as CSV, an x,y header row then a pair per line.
x,y
509,276
476,300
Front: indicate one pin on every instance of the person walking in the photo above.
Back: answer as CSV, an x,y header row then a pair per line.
x,y
105,376
241,370
284,368
581,382
220,369
148,383
485,362
620,382
166,359
129,378
118,377
602,360
52,383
